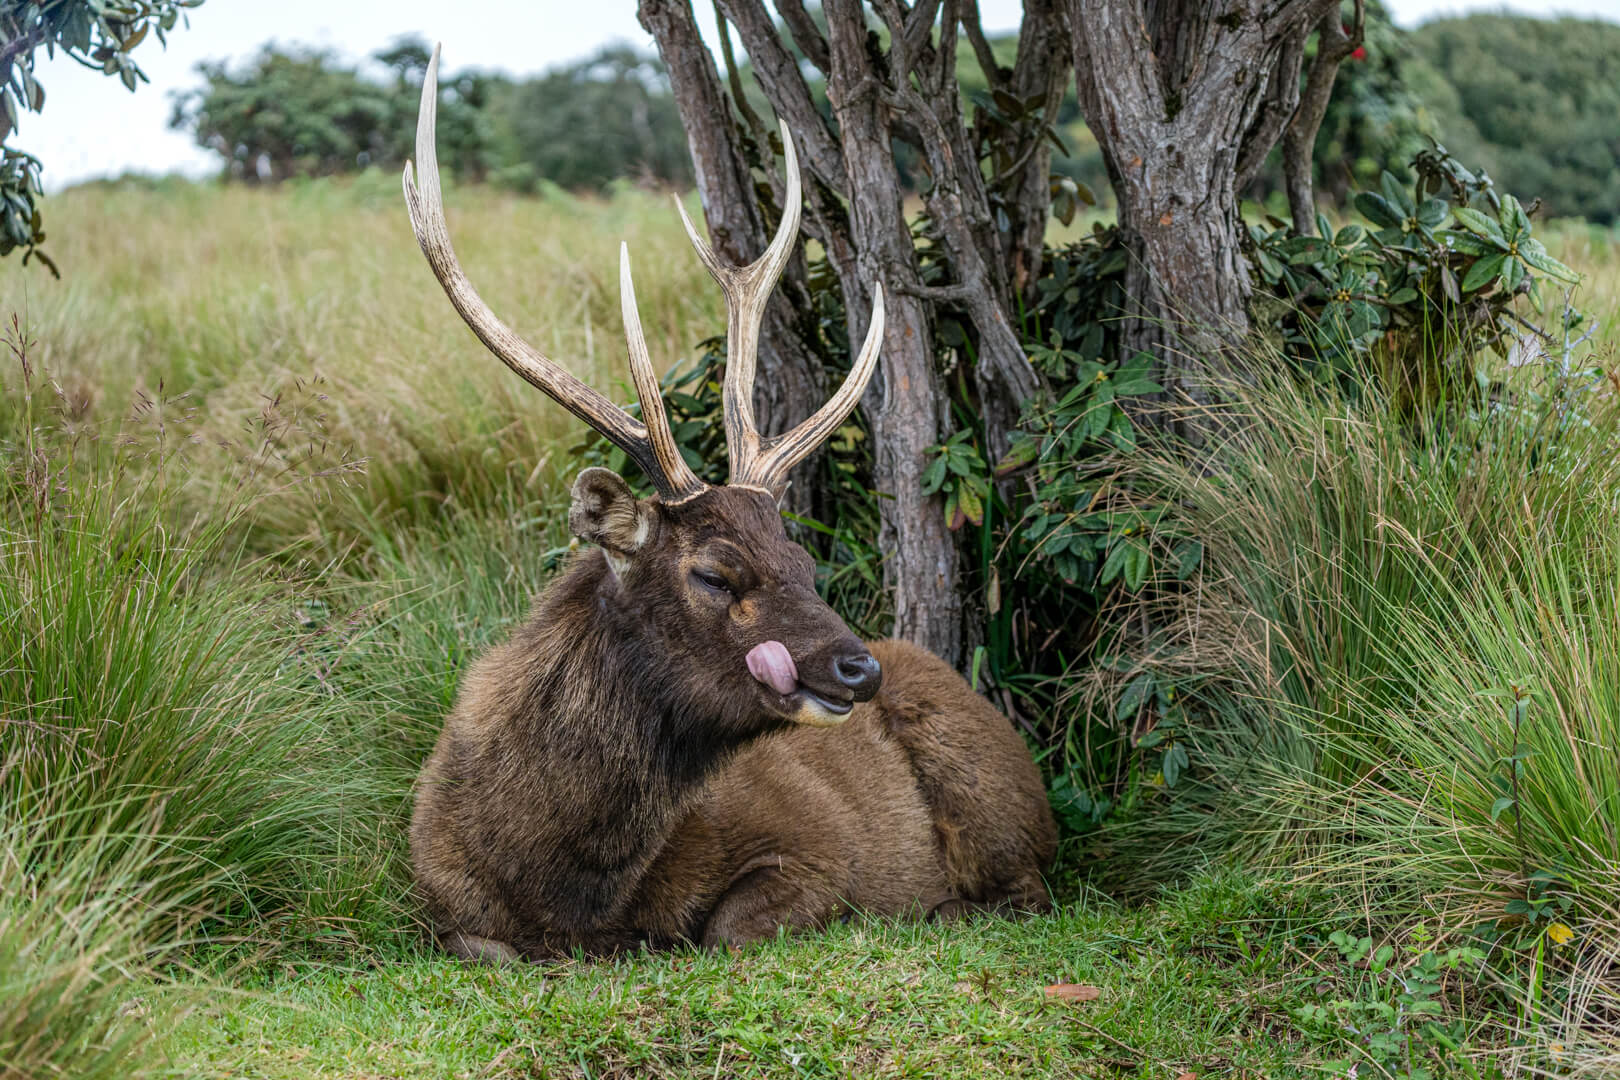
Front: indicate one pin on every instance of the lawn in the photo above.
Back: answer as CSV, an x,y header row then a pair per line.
x,y
265,495
1209,980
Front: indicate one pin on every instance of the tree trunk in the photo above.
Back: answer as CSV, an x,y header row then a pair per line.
x,y
1176,93
1041,71
1333,45
905,404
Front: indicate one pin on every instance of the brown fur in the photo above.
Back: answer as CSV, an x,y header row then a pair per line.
x,y
613,774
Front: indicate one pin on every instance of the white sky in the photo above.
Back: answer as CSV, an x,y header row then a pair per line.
x,y
93,127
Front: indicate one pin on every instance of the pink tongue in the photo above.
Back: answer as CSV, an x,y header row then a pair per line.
x,y
772,664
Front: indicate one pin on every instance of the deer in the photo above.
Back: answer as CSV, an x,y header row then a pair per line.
x,y
683,743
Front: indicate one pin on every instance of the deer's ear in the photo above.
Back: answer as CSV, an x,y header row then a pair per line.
x,y
606,513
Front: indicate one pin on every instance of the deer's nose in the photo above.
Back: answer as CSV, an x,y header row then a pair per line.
x,y
860,673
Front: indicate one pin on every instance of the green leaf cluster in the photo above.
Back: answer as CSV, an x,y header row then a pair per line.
x,y
98,34
1422,289
1070,525
958,472
1394,1013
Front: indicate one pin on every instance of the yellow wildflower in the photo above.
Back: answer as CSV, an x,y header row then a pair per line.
x,y
1560,934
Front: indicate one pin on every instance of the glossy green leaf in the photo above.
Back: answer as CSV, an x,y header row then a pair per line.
x,y
1483,272
1476,222
1377,210
1532,252
1467,243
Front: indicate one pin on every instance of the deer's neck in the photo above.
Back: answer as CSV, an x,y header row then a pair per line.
x,y
615,762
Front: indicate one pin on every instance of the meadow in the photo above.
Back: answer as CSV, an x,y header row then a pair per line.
x,y
264,495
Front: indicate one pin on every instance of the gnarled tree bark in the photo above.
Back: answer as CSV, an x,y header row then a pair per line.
x,y
1186,98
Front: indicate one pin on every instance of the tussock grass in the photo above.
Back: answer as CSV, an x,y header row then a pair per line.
x,y
84,922
1395,587
152,681
1408,659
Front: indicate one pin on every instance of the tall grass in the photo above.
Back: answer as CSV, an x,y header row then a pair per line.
x,y
150,669
315,299
1405,657
1595,251
1409,604
80,918
226,648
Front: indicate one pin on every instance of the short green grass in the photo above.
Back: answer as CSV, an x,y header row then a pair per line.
x,y
1206,982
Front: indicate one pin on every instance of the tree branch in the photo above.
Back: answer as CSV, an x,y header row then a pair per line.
x,y
1282,99
739,96
920,25
973,26
806,35
947,294
778,72
1333,46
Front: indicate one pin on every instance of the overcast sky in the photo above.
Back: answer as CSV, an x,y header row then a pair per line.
x,y
93,127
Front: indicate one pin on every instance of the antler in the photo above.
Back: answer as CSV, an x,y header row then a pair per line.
x,y
758,461
649,444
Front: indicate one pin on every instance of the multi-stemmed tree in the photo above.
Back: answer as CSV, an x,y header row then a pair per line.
x,y
1185,98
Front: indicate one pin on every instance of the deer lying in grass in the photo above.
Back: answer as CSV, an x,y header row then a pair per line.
x,y
683,742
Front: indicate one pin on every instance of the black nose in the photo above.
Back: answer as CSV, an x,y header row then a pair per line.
x,y
860,673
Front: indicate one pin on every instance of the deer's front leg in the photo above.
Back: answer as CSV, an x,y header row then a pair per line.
x,y
774,892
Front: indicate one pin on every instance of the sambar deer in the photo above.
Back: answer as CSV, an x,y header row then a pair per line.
x,y
683,742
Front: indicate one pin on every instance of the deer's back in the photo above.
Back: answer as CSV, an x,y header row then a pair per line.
x,y
926,798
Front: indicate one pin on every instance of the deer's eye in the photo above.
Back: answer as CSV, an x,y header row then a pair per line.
x,y
713,581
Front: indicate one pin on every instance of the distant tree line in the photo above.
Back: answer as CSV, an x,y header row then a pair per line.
x,y
294,111
1533,102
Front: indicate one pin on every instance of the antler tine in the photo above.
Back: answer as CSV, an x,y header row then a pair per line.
x,y
770,467
757,462
664,448
654,452
747,290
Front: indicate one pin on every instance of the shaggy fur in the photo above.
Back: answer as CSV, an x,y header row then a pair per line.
x,y
613,774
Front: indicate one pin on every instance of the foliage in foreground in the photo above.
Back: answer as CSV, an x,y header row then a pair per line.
x,y
99,34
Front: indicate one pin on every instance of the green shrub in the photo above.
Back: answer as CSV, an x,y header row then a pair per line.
x,y
1404,300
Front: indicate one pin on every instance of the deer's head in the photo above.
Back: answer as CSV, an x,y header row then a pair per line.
x,y
708,573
